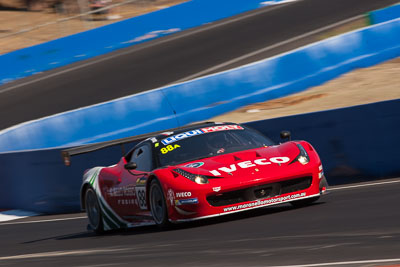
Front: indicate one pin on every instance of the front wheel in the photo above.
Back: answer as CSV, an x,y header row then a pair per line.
x,y
158,205
93,211
304,202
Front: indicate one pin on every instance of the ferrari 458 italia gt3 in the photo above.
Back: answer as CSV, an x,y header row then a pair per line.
x,y
200,171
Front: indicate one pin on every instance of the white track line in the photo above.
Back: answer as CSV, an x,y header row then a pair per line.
x,y
363,185
49,220
341,263
64,253
172,38
330,189
262,50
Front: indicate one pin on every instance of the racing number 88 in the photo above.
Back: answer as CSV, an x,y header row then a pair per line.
x,y
168,148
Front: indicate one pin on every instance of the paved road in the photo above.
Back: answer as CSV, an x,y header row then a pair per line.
x,y
166,60
349,224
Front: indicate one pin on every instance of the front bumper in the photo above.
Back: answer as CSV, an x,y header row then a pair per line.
x,y
202,205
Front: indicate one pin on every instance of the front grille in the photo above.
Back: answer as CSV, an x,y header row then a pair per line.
x,y
260,192
295,185
227,198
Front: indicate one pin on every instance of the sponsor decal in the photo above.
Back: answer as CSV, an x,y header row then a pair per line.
x,y
221,128
216,189
170,196
169,148
129,190
180,136
191,133
124,191
141,196
248,164
187,201
264,202
183,194
194,165
127,201
141,180
115,192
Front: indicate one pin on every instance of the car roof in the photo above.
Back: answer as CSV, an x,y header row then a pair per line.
x,y
189,128
83,149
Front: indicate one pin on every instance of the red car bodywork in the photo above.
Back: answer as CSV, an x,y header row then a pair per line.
x,y
237,181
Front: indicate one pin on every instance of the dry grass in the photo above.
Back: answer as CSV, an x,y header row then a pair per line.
x,y
13,21
361,86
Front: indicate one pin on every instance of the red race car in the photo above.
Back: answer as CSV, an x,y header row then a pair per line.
x,y
200,171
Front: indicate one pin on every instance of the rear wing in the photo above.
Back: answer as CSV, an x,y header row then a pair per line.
x,y
66,154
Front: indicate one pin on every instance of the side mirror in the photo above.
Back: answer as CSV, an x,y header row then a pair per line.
x,y
285,134
130,166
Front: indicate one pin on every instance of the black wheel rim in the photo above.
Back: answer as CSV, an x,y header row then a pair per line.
x,y
92,209
157,204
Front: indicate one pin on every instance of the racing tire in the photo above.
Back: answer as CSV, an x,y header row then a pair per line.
x,y
93,211
158,204
304,202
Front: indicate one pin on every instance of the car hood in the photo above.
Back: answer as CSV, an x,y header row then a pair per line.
x,y
260,162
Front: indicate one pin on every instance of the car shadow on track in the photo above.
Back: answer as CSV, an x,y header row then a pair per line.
x,y
181,226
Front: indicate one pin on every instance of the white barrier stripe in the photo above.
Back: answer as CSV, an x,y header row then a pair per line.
x,y
9,215
262,50
149,45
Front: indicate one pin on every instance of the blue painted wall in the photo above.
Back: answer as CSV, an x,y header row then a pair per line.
x,y
99,41
355,144
209,96
385,14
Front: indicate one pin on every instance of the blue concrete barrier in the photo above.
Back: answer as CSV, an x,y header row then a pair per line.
x,y
384,14
38,180
355,144
99,41
212,95
146,112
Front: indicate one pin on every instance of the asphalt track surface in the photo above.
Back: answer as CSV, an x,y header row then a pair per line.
x,y
165,60
348,224
358,225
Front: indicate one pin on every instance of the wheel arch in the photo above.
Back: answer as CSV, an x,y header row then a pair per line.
x,y
148,183
84,188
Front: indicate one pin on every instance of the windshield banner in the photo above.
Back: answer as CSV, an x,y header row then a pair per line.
x,y
211,129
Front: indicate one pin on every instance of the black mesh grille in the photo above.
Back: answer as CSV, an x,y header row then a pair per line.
x,y
295,185
227,198
260,192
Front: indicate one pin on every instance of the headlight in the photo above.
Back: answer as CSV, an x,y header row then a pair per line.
x,y
199,179
303,157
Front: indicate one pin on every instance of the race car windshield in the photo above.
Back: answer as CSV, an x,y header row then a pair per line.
x,y
194,145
